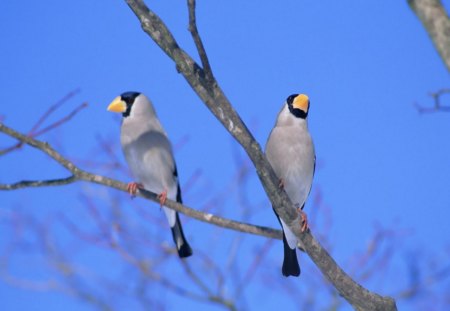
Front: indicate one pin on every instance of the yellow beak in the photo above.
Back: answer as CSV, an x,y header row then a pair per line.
x,y
301,102
117,105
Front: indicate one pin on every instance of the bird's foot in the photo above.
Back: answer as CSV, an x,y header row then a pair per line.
x,y
281,183
303,220
162,197
133,187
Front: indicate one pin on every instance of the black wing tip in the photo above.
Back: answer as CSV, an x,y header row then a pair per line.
x,y
290,261
185,251
290,270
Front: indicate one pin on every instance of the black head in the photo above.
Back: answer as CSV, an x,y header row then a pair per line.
x,y
128,98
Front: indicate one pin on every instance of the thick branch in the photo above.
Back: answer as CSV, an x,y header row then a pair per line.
x,y
436,22
216,101
214,98
79,174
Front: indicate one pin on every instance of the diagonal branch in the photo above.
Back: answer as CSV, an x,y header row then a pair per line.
x,y
218,104
434,18
80,175
216,101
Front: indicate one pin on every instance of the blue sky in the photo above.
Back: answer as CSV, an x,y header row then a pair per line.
x,y
363,65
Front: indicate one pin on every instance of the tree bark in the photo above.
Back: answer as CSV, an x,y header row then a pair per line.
x,y
434,18
207,88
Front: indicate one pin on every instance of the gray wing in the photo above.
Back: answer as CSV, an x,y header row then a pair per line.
x,y
151,161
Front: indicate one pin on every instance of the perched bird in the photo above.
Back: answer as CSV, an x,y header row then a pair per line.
x,y
149,155
290,151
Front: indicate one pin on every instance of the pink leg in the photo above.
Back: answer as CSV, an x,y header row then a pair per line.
x,y
162,197
133,187
304,220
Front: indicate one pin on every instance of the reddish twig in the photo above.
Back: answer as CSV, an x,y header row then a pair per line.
x,y
60,121
260,254
52,109
34,129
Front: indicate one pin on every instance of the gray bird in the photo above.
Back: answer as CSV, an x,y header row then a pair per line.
x,y
149,155
290,151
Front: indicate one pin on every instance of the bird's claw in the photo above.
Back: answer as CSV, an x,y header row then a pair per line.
x,y
162,197
303,220
281,183
133,187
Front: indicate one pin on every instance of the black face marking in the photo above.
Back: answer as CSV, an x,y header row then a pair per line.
x,y
128,98
295,111
290,99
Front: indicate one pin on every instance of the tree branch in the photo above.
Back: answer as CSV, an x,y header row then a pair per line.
x,y
80,175
198,41
38,183
434,18
52,109
216,101
34,132
437,105
218,104
57,123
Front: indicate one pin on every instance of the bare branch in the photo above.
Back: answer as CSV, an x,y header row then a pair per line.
x,y
45,147
38,183
436,22
437,106
198,41
79,175
34,130
60,121
197,281
216,101
168,283
52,109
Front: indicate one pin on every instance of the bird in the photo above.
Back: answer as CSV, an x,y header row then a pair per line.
x,y
290,152
149,155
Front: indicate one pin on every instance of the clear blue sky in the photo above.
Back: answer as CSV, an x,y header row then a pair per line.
x,y
363,65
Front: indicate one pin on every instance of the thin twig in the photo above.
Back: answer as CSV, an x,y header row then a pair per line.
x,y
38,183
34,130
60,121
260,255
198,41
144,268
79,175
437,105
211,297
52,109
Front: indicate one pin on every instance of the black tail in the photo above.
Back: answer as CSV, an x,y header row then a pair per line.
x,y
183,248
290,262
